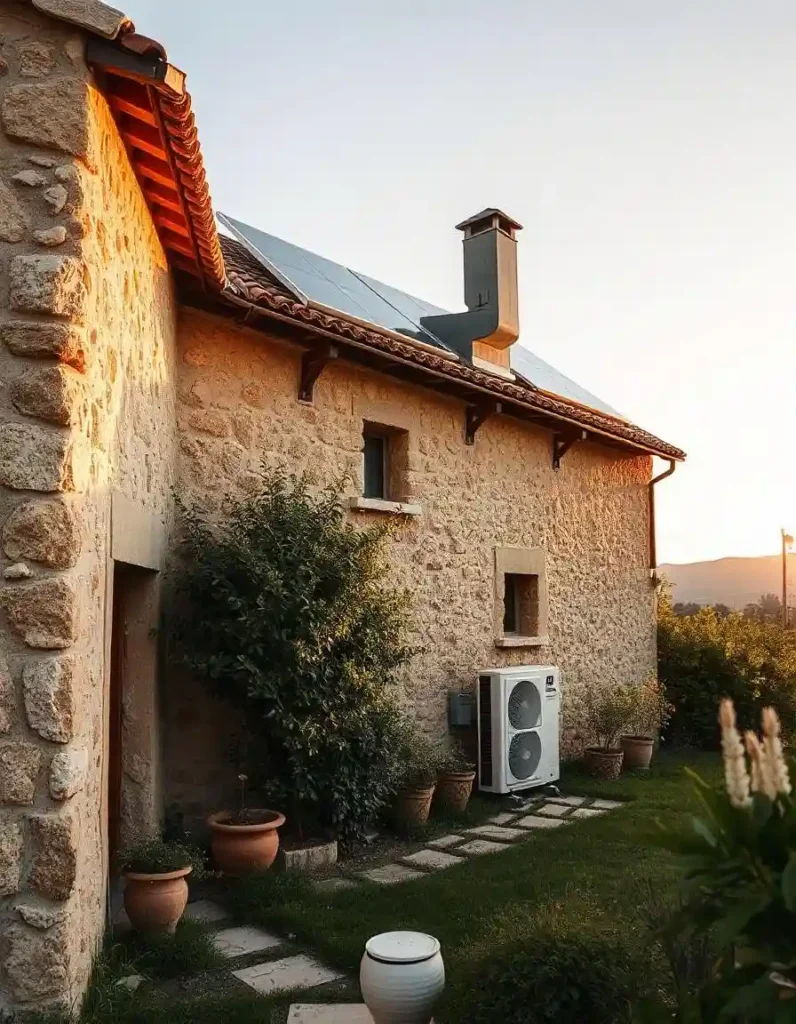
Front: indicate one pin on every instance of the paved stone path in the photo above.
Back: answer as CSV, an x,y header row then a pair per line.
x,y
275,968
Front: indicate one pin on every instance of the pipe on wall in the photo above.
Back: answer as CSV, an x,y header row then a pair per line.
x,y
651,485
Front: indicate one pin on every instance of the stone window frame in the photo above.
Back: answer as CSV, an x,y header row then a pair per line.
x,y
519,561
379,421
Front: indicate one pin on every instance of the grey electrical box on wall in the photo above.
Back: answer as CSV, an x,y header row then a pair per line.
x,y
460,707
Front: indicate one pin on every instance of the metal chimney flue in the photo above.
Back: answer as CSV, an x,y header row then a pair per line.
x,y
491,324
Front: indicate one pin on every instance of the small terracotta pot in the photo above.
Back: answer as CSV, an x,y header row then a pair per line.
x,y
638,752
412,806
239,849
454,789
604,763
155,903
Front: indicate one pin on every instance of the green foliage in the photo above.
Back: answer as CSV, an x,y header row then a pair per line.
x,y
454,760
159,857
561,979
740,888
608,711
251,897
706,656
189,951
651,709
416,759
287,611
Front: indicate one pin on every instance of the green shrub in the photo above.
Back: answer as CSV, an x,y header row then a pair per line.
x,y
287,610
559,979
159,857
705,657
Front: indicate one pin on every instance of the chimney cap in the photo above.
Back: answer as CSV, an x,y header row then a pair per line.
x,y
488,213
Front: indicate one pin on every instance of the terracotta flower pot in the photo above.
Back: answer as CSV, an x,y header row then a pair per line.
x,y
604,763
638,752
238,849
413,806
454,789
155,903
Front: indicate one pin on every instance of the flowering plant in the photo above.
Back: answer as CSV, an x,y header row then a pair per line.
x,y
740,885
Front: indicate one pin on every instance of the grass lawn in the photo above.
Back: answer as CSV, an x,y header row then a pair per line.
x,y
580,879
577,886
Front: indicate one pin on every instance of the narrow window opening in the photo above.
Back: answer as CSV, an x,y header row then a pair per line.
x,y
521,604
376,475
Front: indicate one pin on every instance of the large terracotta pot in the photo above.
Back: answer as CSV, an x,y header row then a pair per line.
x,y
604,763
155,903
414,805
638,752
454,789
238,849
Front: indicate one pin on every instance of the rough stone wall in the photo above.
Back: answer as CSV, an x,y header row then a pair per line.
x,y
237,408
86,331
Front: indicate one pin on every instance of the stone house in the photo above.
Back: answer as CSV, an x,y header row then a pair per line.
x,y
143,354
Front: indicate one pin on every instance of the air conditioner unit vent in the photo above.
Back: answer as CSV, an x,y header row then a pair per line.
x,y
518,726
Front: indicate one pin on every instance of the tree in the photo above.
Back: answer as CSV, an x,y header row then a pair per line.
x,y
767,609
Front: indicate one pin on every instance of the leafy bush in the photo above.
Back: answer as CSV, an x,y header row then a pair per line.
x,y
562,979
287,611
608,712
651,709
705,657
415,760
454,760
159,857
740,880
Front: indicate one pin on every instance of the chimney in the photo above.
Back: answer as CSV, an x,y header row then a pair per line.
x,y
485,333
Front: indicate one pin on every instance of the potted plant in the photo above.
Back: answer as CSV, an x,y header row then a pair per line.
x,y
156,892
415,777
247,839
607,712
650,715
455,778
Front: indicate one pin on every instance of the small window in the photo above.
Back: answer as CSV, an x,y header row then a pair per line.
x,y
521,604
376,451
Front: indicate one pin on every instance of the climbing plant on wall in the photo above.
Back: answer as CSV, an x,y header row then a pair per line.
x,y
288,609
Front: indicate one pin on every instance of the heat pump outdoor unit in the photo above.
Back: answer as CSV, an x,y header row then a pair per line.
x,y
518,711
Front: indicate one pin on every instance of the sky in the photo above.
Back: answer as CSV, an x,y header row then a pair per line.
x,y
647,146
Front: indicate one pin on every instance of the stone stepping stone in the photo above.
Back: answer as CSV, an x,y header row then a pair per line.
x,y
391,874
586,812
205,912
335,884
503,819
553,810
233,942
570,801
477,847
436,860
537,821
292,972
607,805
131,982
443,842
329,1013
499,833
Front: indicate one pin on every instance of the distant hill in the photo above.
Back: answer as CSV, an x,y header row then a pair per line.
x,y
732,581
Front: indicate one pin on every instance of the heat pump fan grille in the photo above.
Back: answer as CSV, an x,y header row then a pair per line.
x,y
525,707
524,754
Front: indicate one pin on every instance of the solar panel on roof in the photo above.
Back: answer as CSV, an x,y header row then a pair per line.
x,y
314,279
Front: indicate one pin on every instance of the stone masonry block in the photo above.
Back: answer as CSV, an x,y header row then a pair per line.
x,y
50,393
44,612
7,701
46,340
36,964
36,59
48,283
35,458
43,531
19,770
49,697
55,855
68,773
13,221
10,857
52,114
94,15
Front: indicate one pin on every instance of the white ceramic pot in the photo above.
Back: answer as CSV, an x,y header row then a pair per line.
x,y
401,976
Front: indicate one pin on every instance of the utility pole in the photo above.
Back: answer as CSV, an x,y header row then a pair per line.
x,y
787,541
